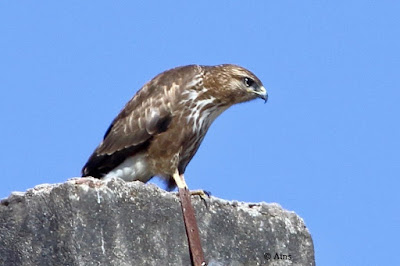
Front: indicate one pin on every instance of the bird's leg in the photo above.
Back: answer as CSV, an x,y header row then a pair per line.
x,y
192,230
180,180
181,183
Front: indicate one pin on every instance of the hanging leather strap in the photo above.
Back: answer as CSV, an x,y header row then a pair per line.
x,y
192,230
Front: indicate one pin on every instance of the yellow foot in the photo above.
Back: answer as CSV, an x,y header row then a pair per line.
x,y
90,181
202,193
83,180
199,192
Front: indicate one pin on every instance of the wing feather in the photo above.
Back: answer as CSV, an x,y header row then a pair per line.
x,y
138,121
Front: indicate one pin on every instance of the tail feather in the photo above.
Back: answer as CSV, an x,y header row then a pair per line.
x,y
99,165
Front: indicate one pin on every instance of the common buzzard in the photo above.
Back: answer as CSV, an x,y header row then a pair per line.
x,y
160,129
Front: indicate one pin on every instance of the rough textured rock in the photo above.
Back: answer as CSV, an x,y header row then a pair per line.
x,y
118,223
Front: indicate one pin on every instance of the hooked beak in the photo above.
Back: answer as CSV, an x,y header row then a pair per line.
x,y
262,93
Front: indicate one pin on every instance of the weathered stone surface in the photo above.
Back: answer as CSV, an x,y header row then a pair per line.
x,y
118,223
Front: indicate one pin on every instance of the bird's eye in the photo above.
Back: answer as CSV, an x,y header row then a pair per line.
x,y
248,82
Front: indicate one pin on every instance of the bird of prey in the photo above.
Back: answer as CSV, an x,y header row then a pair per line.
x,y
160,129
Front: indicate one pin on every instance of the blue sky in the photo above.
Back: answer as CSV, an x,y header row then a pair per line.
x,y
326,145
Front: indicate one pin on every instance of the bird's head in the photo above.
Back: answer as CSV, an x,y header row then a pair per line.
x,y
234,84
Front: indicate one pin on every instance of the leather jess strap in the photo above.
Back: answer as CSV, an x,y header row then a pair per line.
x,y
192,230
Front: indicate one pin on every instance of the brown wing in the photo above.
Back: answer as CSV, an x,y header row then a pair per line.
x,y
143,117
147,114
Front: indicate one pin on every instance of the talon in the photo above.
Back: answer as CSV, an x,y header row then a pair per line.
x,y
208,193
83,180
202,193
